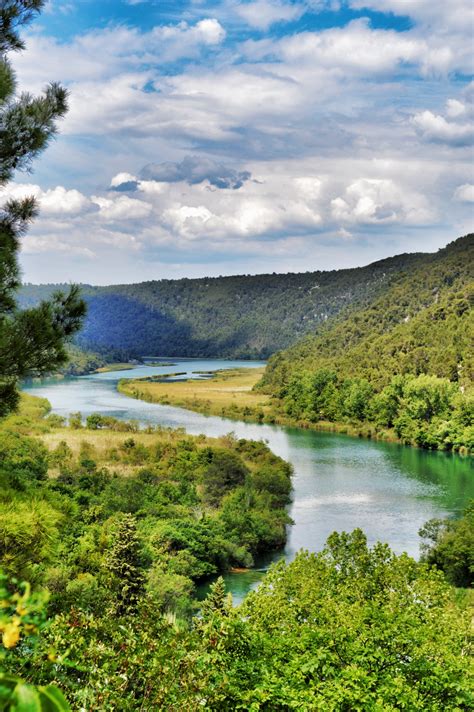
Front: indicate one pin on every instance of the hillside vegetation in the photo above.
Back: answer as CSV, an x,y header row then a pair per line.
x,y
243,316
112,526
406,361
201,505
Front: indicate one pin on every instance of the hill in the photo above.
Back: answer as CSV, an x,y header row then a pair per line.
x,y
404,361
243,316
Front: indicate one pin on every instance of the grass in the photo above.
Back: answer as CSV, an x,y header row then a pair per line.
x,y
229,393
115,367
105,446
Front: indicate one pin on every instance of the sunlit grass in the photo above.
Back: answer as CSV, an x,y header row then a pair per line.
x,y
227,393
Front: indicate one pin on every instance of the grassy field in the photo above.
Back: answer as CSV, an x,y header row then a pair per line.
x,y
228,393
106,446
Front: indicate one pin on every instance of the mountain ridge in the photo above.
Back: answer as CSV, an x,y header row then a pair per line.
x,y
245,316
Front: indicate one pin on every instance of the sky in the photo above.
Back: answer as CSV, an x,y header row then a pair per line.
x,y
212,137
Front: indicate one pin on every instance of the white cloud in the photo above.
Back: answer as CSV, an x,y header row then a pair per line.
x,y
122,178
121,208
62,201
56,201
261,14
455,108
347,132
433,127
354,48
464,193
359,48
103,54
376,201
434,14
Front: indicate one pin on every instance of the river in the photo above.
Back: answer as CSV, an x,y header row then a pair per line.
x,y
340,482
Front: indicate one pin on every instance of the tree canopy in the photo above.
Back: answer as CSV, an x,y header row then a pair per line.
x,y
31,340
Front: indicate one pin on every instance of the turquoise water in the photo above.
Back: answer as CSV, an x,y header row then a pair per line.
x,y
340,482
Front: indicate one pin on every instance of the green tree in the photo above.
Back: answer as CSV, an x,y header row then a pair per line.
x,y
28,535
23,460
449,545
217,600
124,563
223,472
31,340
358,628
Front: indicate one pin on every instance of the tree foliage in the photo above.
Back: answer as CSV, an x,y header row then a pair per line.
x,y
403,363
449,545
243,316
31,340
350,628
124,562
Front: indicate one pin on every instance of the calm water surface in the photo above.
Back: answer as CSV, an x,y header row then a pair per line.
x,y
339,483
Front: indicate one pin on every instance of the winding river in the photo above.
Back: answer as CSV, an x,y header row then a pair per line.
x,y
339,482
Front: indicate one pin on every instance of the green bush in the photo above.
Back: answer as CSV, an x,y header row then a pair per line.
x,y
23,460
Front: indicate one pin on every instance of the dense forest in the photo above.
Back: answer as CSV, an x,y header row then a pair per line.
x,y
405,362
111,527
244,316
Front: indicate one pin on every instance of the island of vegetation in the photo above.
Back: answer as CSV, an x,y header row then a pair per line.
x,y
228,393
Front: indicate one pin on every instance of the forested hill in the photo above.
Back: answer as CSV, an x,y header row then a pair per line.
x,y
422,323
404,362
243,316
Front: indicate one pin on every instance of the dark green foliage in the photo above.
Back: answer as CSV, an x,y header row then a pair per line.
x,y
223,471
124,561
244,316
80,362
216,601
32,340
404,363
427,411
110,529
22,460
449,545
421,323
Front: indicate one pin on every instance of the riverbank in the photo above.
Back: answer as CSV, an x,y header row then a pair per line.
x,y
186,490
340,483
230,394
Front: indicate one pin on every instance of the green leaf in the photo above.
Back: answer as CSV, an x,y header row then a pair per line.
x,y
52,700
25,699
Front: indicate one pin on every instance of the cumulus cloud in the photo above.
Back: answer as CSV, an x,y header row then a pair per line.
x,y
464,193
59,201
432,14
378,202
303,137
454,130
121,208
55,201
103,54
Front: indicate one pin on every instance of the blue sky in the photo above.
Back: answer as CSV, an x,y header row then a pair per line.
x,y
229,137
66,19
